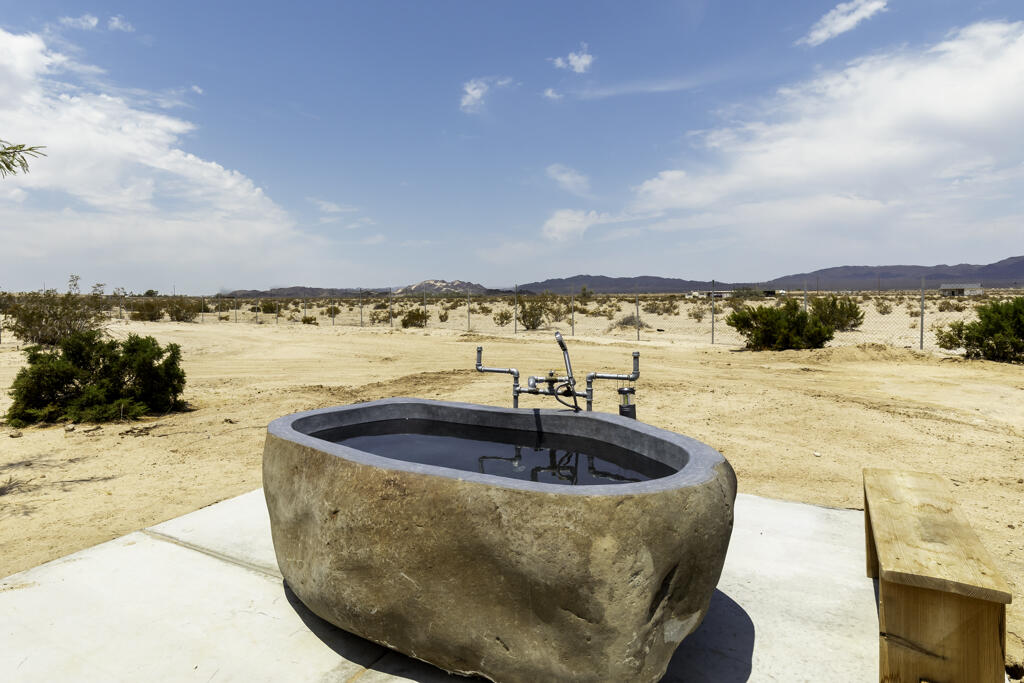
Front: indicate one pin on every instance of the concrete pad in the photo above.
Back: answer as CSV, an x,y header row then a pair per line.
x,y
200,598
237,529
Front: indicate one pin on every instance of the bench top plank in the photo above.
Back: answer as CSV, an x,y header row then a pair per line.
x,y
922,539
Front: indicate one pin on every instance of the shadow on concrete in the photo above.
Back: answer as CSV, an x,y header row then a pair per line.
x,y
720,651
367,653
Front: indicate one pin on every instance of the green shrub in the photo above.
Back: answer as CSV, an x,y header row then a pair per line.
x,y
947,305
268,306
883,307
698,312
443,316
503,317
416,317
776,329
309,320
150,310
532,312
89,378
997,334
659,307
47,317
182,310
332,311
840,313
627,321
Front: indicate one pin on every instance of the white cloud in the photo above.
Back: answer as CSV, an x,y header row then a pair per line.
x,y
570,224
473,92
119,23
86,22
569,179
643,87
579,62
842,18
551,94
196,89
332,207
373,239
118,193
915,146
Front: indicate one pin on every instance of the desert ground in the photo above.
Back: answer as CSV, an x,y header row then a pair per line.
x,y
796,425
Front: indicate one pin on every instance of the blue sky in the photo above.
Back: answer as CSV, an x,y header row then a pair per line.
x,y
207,146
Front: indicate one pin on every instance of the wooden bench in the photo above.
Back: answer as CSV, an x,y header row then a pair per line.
x,y
941,601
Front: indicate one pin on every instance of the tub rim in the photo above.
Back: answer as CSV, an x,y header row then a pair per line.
x,y
701,466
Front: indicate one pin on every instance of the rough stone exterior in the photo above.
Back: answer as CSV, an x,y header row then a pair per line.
x,y
507,583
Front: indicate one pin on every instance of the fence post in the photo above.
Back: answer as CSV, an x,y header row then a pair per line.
x,y
712,311
515,309
277,313
805,296
202,310
120,307
360,308
638,317
426,316
391,303
259,305
921,344
572,313
469,326
236,308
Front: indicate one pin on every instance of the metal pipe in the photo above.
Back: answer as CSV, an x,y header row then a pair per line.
x,y
507,371
631,377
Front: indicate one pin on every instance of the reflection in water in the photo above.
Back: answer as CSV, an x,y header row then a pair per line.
x,y
564,467
517,454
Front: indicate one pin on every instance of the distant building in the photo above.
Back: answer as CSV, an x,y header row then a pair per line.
x,y
961,289
708,294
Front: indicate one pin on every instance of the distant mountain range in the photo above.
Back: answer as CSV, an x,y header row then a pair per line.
x,y
1006,273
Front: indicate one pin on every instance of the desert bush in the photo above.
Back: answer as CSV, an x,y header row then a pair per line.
x,y
150,310
380,305
503,317
883,307
310,320
416,317
182,310
997,334
332,311
92,379
697,312
840,313
628,321
661,307
268,306
442,316
585,296
482,309
777,329
47,317
947,305
223,317
532,312
379,317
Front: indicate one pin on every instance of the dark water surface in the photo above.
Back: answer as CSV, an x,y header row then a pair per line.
x,y
517,454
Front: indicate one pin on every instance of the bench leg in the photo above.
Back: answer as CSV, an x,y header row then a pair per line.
x,y
869,542
929,635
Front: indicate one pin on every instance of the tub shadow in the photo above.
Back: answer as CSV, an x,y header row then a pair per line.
x,y
366,653
720,651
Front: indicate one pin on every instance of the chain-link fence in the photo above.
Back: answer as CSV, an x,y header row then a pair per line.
x,y
899,318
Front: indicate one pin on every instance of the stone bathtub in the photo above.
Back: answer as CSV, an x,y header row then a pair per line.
x,y
511,579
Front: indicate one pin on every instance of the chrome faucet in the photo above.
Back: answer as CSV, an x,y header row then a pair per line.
x,y
565,387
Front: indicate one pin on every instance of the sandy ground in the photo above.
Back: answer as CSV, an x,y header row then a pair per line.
x,y
796,425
